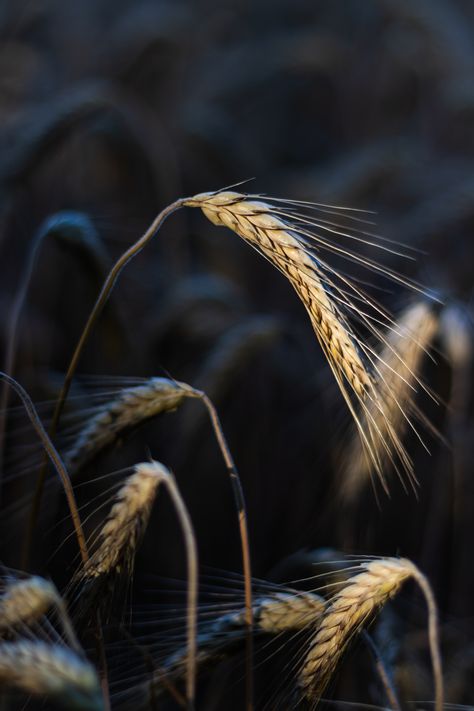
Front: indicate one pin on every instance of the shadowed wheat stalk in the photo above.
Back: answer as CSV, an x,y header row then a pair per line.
x,y
350,609
50,670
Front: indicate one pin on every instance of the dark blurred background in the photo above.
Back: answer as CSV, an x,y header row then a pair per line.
x,y
116,108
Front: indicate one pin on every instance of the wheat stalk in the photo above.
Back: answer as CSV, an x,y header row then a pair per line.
x,y
348,611
43,669
129,408
397,379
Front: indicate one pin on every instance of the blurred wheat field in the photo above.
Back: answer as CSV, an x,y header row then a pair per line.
x,y
330,379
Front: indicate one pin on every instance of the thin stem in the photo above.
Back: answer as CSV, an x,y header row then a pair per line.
x,y
192,591
433,636
55,459
12,334
244,537
109,284
382,671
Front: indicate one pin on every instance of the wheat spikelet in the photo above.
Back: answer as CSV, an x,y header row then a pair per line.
x,y
350,608
129,408
50,670
126,523
386,419
258,223
25,601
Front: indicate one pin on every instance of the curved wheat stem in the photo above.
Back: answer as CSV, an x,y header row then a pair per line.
x,y
66,226
349,610
397,378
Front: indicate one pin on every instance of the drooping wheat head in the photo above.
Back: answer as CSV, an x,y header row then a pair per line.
x,y
130,407
125,525
293,241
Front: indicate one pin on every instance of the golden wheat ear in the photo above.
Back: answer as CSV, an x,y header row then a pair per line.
x,y
350,609
54,671
293,242
128,409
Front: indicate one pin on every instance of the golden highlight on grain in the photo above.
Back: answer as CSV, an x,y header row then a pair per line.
x,y
347,612
258,224
126,522
50,670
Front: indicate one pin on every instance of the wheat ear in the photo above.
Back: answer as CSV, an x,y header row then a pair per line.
x,y
123,532
23,602
50,670
125,525
258,223
385,419
129,408
360,598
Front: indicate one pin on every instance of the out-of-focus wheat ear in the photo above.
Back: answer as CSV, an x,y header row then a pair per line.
x,y
129,408
42,669
67,227
457,338
350,609
276,239
24,602
385,419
